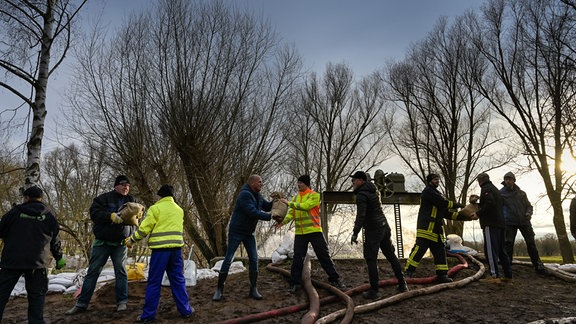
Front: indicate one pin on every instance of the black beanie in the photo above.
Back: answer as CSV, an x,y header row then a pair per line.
x,y
431,177
33,192
121,179
166,191
305,179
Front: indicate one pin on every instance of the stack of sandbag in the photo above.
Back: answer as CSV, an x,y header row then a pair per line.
x,y
285,250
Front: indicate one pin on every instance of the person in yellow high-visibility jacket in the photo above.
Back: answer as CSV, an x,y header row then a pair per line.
x,y
304,210
164,226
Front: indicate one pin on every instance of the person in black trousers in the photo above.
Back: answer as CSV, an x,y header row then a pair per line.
x,y
434,207
377,233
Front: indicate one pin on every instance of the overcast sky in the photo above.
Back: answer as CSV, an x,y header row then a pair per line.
x,y
364,34
361,33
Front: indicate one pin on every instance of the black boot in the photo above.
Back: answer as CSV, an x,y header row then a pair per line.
x,y
219,294
253,290
443,278
402,286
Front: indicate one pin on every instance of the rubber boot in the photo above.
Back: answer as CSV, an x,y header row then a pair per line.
x,y
443,277
253,290
402,286
219,294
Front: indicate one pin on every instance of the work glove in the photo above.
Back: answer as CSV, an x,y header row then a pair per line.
x,y
60,263
354,239
459,205
116,219
128,242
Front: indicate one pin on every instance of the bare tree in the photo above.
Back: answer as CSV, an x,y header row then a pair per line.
x,y
444,125
336,127
34,33
223,82
527,44
73,177
193,93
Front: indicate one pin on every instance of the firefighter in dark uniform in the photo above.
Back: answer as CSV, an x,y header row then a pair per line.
x,y
429,231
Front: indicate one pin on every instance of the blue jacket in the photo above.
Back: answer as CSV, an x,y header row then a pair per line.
x,y
249,209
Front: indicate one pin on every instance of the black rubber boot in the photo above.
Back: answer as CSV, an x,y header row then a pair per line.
x,y
443,278
253,290
402,286
219,294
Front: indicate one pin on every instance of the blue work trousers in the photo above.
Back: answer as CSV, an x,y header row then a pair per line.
x,y
169,261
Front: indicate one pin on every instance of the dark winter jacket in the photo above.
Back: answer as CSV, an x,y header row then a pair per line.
x,y
490,206
369,212
27,230
433,209
516,207
104,229
249,209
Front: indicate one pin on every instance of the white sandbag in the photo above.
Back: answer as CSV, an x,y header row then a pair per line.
x,y
277,257
70,290
235,267
568,268
67,275
205,274
55,288
66,282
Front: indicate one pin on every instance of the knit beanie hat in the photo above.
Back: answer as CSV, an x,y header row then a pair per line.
x,y
431,177
33,192
121,179
510,175
166,191
483,177
305,179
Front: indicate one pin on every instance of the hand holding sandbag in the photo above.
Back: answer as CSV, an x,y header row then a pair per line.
x,y
128,242
131,213
116,219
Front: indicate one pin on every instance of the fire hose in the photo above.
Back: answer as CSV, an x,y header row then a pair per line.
x,y
350,310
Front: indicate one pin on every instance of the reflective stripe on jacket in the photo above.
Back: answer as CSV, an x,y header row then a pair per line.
x,y
434,207
164,224
304,209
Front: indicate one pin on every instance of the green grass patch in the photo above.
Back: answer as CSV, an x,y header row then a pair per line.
x,y
545,259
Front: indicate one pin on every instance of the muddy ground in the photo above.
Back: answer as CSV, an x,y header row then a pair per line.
x,y
529,298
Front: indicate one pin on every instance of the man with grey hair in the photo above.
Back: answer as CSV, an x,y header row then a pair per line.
x,y
517,214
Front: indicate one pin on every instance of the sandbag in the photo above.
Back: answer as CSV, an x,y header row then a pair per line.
x,y
471,208
279,209
131,213
136,271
